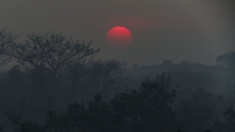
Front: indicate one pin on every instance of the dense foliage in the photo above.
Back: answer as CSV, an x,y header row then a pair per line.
x,y
146,109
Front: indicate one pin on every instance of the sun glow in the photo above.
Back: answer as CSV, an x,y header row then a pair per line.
x,y
119,37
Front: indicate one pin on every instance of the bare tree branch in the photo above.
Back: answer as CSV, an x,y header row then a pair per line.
x,y
54,51
6,42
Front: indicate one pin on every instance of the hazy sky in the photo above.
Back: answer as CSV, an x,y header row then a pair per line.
x,y
193,30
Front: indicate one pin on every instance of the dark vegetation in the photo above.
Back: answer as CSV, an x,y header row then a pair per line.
x,y
57,86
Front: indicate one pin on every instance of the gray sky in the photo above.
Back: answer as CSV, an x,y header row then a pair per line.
x,y
193,30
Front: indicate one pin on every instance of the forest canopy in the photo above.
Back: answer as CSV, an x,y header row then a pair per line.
x,y
57,85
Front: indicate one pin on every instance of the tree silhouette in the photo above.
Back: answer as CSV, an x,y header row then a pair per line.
x,y
23,126
54,51
227,59
6,41
229,115
146,109
96,117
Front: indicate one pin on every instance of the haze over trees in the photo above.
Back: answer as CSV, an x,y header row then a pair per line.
x,y
227,59
58,86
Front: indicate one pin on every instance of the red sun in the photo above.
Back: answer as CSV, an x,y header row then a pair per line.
x,y
119,37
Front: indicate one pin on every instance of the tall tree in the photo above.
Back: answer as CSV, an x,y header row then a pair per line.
x,y
53,51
